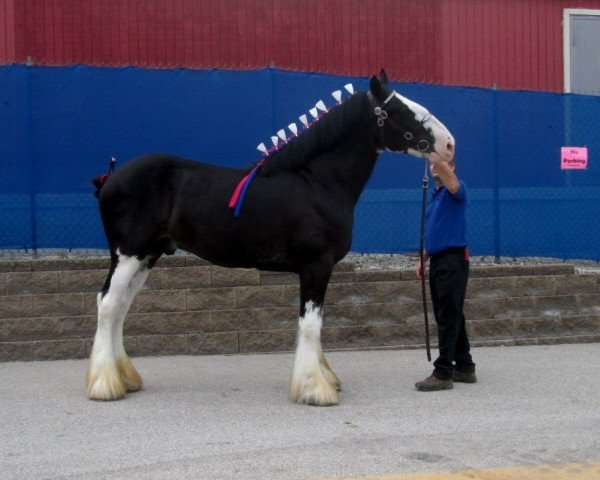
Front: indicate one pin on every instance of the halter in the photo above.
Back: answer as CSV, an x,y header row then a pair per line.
x,y
382,116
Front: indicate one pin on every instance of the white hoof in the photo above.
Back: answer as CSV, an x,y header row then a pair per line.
x,y
313,390
313,382
105,383
129,375
329,374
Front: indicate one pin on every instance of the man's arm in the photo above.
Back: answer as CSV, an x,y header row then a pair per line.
x,y
447,176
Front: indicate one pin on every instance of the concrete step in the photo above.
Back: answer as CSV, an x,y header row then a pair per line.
x,y
88,275
521,331
84,276
513,295
103,263
48,308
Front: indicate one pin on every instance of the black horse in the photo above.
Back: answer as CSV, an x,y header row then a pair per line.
x,y
297,217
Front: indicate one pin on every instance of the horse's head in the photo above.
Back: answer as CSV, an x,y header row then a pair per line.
x,y
407,126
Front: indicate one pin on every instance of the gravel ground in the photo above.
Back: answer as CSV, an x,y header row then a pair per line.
x,y
361,261
398,261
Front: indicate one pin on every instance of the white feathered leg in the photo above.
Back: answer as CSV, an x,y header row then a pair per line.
x,y
309,383
329,373
129,375
104,378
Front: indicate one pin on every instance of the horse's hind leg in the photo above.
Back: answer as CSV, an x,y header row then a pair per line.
x,y
313,382
129,375
111,373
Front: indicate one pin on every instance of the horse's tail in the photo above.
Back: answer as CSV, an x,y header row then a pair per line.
x,y
99,181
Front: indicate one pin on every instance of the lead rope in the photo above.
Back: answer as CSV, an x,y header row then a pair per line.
x,y
421,256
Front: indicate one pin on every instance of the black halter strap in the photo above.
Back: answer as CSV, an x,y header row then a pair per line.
x,y
382,117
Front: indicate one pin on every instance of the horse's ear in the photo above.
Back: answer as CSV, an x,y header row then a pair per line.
x,y
383,77
376,88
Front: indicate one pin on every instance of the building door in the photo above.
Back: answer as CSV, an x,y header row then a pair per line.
x,y
581,39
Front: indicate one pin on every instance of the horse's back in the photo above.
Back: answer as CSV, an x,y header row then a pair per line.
x,y
150,168
159,202
138,200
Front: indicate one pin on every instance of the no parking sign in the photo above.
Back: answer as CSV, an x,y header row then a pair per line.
x,y
573,158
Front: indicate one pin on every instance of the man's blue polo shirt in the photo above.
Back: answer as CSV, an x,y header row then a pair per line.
x,y
446,220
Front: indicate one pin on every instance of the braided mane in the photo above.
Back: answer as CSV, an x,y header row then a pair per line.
x,y
329,129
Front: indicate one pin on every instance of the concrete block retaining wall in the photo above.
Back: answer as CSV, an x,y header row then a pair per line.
x,y
189,307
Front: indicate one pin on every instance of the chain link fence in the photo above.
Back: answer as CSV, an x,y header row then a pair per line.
x,y
59,126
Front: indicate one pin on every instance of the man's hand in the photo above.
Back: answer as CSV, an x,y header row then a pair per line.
x,y
445,172
435,158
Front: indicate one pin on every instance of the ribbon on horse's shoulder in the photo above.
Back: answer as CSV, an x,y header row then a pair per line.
x,y
239,194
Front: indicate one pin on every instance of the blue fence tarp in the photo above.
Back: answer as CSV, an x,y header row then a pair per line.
x,y
60,126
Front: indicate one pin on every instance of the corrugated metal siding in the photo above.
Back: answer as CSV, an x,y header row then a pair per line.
x,y
7,31
515,44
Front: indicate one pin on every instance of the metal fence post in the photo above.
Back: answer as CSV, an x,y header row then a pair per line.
x,y
496,161
31,157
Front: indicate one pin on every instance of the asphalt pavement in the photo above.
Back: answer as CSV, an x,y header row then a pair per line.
x,y
228,417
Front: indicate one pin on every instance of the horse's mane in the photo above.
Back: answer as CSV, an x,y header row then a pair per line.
x,y
327,130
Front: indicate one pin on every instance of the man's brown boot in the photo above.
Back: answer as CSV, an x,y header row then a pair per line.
x,y
463,377
432,384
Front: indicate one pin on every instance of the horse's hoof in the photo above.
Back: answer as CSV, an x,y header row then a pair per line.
x,y
332,378
320,402
105,384
317,392
329,374
129,375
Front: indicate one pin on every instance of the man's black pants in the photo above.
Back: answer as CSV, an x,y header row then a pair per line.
x,y
448,277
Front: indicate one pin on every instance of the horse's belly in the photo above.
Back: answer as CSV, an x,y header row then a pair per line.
x,y
241,254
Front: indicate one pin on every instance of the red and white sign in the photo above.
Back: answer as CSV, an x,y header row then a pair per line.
x,y
573,158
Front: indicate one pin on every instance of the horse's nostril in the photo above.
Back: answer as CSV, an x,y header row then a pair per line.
x,y
450,147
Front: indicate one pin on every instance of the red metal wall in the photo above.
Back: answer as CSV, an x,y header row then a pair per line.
x,y
515,44
7,32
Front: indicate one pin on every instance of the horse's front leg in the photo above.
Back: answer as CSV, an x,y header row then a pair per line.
x,y
329,373
313,382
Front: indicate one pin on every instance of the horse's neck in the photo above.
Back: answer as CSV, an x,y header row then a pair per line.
x,y
349,164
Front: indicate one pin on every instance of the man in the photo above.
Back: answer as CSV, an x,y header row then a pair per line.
x,y
446,248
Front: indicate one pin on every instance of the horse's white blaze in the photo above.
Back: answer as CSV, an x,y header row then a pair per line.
x,y
309,383
420,111
110,372
444,141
